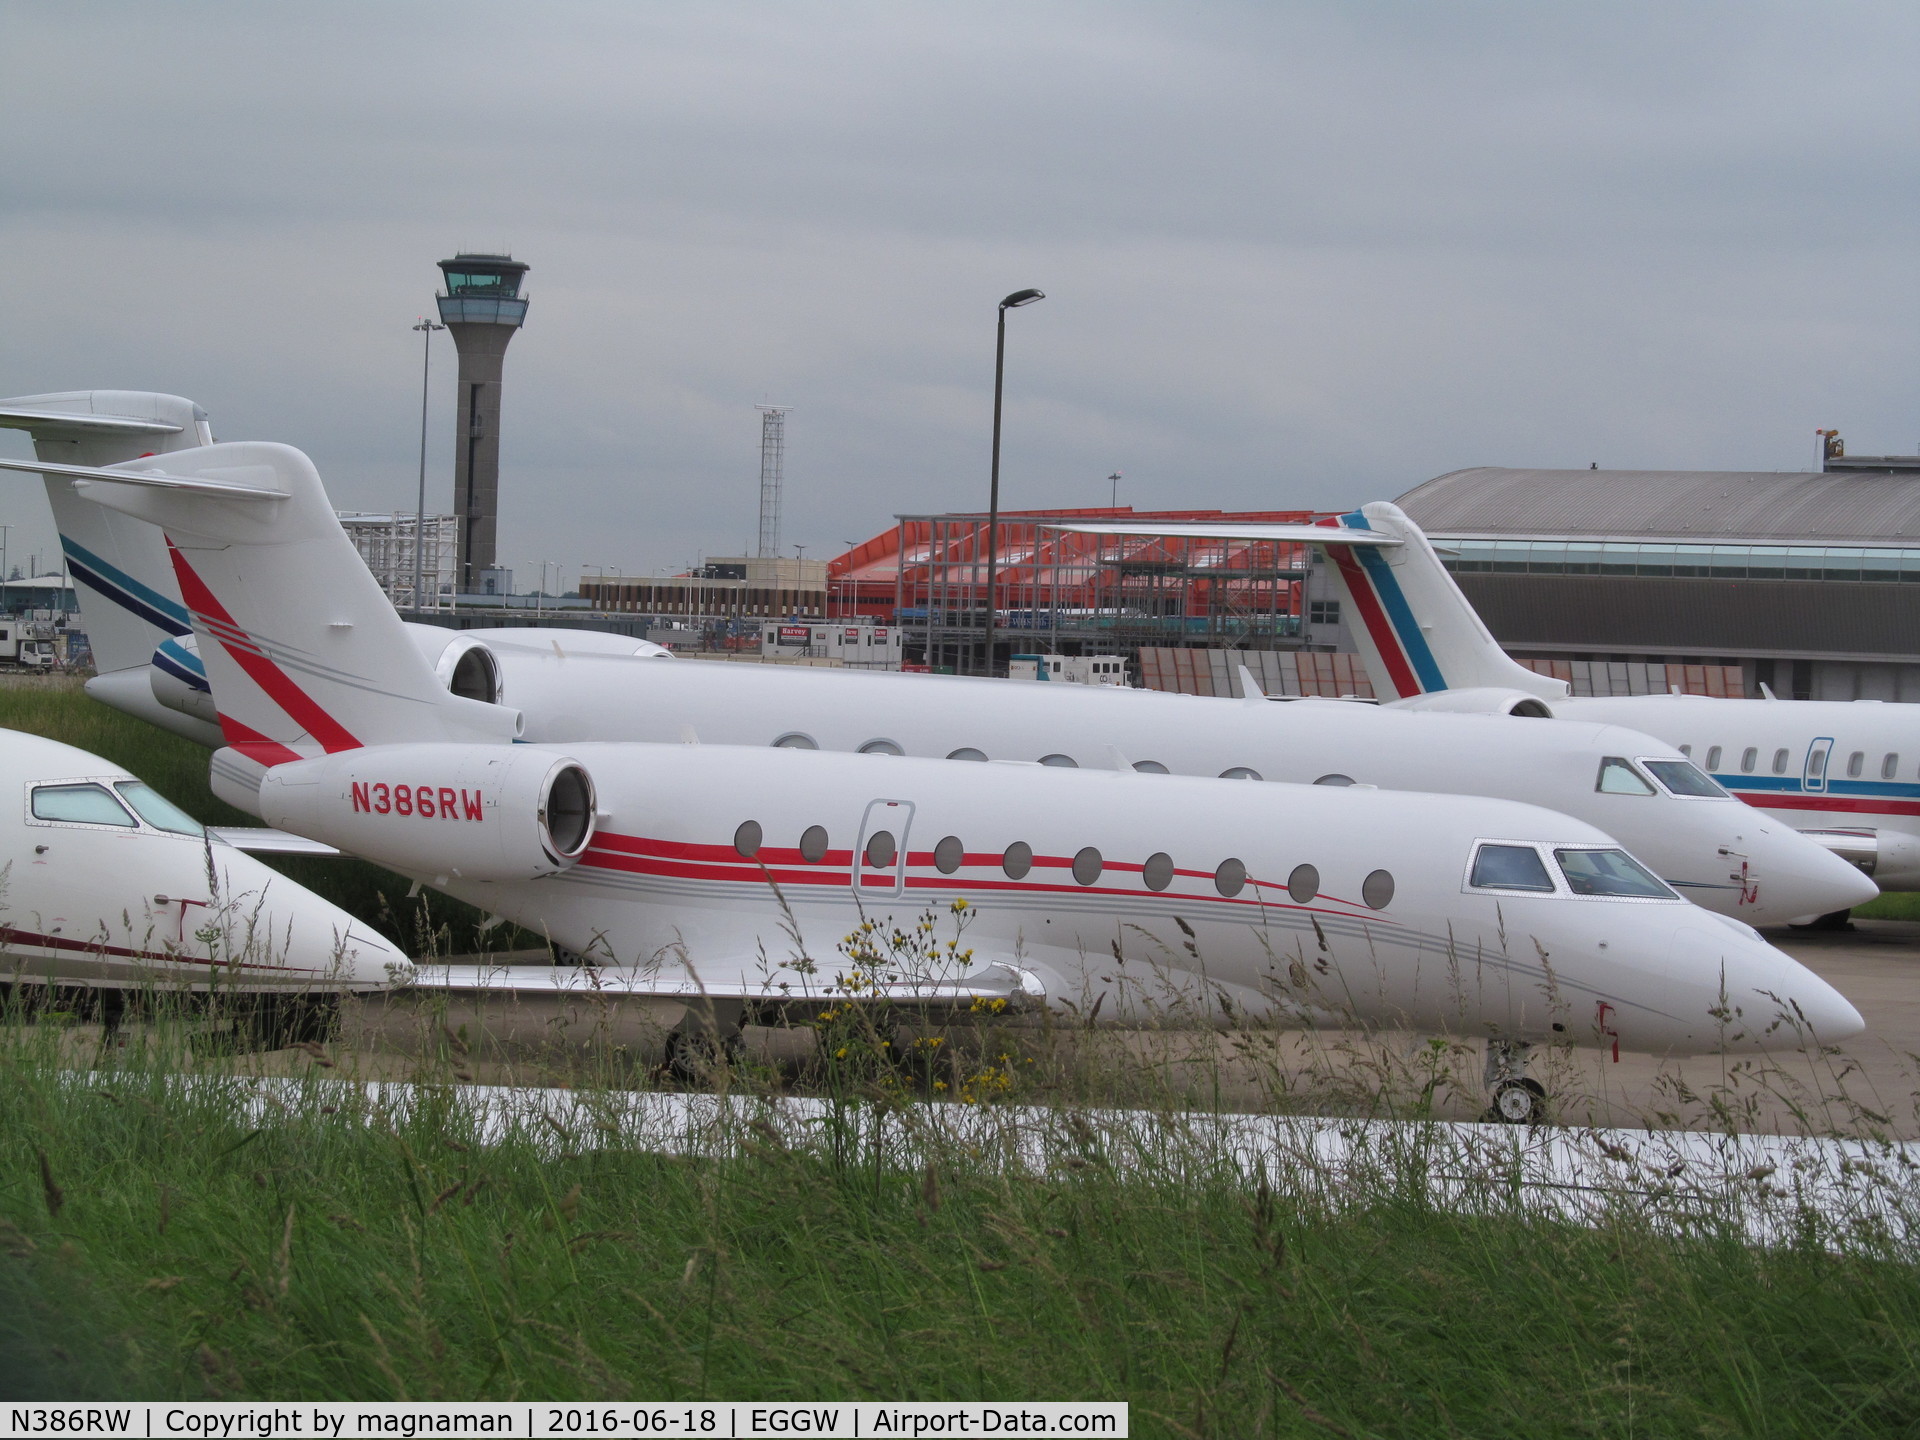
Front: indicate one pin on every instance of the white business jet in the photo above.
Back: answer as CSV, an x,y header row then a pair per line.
x,y
110,887
731,874
1845,773
576,686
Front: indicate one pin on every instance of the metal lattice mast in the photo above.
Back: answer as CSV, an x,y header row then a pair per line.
x,y
773,455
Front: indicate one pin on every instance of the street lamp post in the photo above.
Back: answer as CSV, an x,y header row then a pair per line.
x,y
427,327
1012,302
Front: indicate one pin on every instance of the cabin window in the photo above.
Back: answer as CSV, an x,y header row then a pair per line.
x,y
1749,758
1713,757
1334,780
949,855
1377,890
1086,866
80,805
1303,885
1231,878
161,813
1511,867
794,740
1617,777
813,844
1779,762
1017,860
1064,762
1240,772
881,747
746,839
1856,762
1150,767
1158,871
881,849
1682,777
1611,873
1890,766
967,752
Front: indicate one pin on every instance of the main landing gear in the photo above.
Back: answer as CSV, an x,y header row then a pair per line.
x,y
1518,1099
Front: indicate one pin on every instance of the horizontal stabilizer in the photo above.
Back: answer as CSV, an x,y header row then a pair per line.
x,y
1236,530
269,842
127,474
52,421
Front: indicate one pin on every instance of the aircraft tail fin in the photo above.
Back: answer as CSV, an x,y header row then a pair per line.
x,y
121,574
1417,632
304,652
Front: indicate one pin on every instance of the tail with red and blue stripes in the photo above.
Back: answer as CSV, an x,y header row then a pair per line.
x,y
1417,632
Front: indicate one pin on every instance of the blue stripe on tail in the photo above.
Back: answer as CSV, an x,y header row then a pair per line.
x,y
125,591
1393,601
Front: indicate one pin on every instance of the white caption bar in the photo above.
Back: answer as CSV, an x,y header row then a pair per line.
x,y
681,1420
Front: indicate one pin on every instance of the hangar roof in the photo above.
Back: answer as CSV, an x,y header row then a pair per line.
x,y
1842,507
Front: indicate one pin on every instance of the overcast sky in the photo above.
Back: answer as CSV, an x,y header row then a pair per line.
x,y
1295,254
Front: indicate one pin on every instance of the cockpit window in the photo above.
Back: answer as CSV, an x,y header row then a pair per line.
x,y
158,811
80,805
1617,777
1511,867
1611,873
1683,777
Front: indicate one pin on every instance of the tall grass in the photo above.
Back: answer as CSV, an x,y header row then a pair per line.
x,y
165,1240
56,707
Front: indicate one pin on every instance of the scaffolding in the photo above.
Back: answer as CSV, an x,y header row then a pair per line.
x,y
386,543
1070,593
773,460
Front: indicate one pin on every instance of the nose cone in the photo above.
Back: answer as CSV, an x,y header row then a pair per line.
x,y
1771,1001
279,935
1796,877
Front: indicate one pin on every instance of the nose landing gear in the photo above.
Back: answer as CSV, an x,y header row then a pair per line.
x,y
1517,1098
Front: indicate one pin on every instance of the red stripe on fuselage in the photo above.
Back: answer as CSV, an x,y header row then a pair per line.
x,y
279,687
1849,804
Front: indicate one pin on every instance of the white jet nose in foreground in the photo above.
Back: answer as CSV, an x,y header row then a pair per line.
x,y
1797,877
275,935
1730,990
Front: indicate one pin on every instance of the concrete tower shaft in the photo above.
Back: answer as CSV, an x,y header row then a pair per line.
x,y
482,308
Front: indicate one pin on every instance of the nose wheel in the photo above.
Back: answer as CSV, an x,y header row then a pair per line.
x,y
1517,1098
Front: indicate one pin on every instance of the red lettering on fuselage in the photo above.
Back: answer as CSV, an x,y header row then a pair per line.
x,y
429,802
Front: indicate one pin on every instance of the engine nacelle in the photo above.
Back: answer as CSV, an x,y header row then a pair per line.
x,y
479,812
465,665
1481,701
1890,857
179,681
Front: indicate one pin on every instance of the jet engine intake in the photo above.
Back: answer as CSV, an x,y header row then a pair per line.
x,y
478,812
1481,701
466,666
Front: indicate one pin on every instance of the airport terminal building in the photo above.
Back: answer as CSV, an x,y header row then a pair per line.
x,y
1810,582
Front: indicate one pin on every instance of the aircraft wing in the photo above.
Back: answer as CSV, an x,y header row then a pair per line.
x,y
998,981
269,842
1234,530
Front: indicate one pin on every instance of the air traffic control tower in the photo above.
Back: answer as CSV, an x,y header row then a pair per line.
x,y
481,308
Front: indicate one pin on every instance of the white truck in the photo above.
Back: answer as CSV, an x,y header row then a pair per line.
x,y
24,647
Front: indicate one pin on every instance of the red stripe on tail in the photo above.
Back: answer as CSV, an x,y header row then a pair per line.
x,y
301,707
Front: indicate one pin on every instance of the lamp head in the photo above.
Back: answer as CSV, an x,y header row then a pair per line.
x,y
1022,297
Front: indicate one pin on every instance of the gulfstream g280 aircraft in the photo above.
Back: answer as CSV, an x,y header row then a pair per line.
x,y
575,686
730,873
